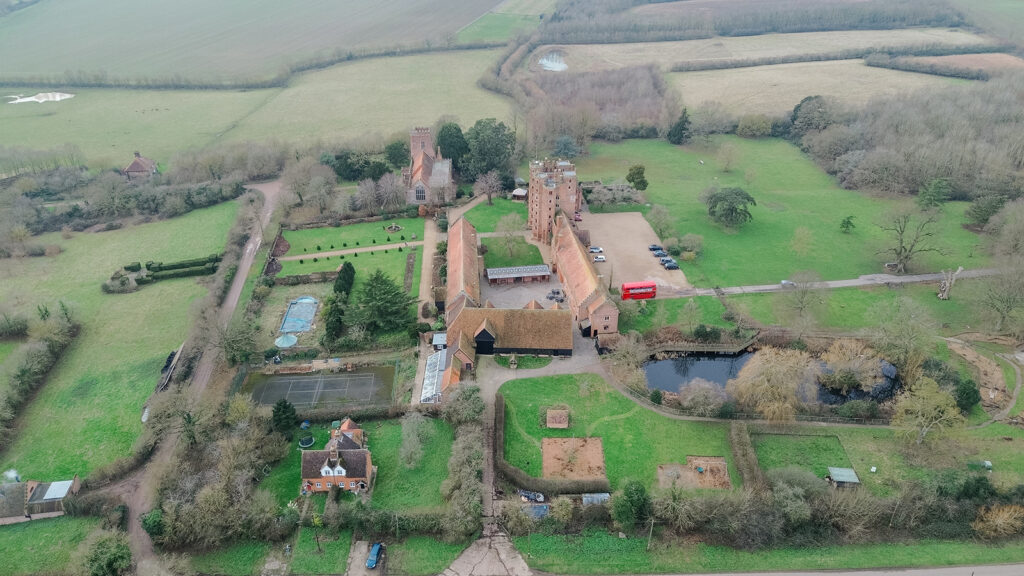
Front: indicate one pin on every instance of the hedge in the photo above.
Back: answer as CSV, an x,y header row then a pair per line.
x,y
185,272
743,454
191,263
547,486
133,267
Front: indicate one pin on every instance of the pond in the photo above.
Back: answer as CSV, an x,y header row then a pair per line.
x,y
669,375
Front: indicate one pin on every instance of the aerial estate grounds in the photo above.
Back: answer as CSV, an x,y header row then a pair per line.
x,y
791,193
94,397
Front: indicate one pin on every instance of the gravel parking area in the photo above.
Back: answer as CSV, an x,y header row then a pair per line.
x,y
519,295
625,236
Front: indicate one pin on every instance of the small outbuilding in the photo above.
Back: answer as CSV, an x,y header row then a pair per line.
x,y
513,274
520,194
141,168
596,498
439,341
842,477
557,418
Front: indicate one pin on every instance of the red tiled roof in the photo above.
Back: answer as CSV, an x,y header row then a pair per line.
x,y
463,262
574,265
141,164
519,328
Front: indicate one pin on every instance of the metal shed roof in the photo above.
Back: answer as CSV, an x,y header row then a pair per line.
x,y
843,475
518,271
596,498
440,339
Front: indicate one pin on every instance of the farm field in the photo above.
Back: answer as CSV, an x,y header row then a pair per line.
x,y
422,555
238,559
373,97
43,546
109,125
231,40
367,234
94,397
523,253
485,218
377,96
604,553
776,89
590,57
1004,18
990,62
851,308
635,440
6,348
400,488
495,27
791,193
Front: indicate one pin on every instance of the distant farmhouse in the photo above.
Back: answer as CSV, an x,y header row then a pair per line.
x,y
141,168
428,179
32,500
344,462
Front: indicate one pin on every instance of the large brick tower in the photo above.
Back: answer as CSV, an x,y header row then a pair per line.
x,y
554,187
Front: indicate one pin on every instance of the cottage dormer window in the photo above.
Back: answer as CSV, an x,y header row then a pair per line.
x,y
326,471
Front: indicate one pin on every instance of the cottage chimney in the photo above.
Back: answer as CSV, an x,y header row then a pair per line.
x,y
137,155
334,453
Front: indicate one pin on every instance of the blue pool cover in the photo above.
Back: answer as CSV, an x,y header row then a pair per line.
x,y
299,317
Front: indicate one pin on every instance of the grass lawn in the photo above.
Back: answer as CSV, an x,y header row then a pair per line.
x,y
635,440
497,27
523,253
666,312
308,560
240,559
851,308
791,192
399,488
422,555
524,362
6,348
603,553
94,397
366,234
815,453
42,546
485,218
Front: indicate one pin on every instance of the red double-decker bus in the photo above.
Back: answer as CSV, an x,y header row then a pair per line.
x,y
639,290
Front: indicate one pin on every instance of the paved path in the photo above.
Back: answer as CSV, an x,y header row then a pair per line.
x,y
491,555
361,249
866,280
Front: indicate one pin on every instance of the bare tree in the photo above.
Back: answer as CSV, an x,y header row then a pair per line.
x,y
488,183
389,191
770,383
690,315
910,237
926,409
510,226
851,366
702,397
1004,294
903,335
660,220
366,191
805,302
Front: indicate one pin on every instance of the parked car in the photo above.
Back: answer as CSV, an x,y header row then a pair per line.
x,y
375,553
596,250
599,259
528,496
576,217
654,247
787,284
660,253
667,259
557,292
671,266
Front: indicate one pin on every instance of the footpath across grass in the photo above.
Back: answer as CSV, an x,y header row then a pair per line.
x,y
367,234
42,546
94,397
604,553
400,488
485,217
635,439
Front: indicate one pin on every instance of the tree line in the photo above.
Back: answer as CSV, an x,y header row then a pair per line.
x,y
923,67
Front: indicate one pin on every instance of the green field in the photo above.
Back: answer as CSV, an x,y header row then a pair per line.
x,y
422,555
485,217
367,234
1004,18
377,96
815,453
6,348
380,96
94,397
495,27
851,308
42,546
791,192
523,253
239,559
230,40
307,559
603,553
654,313
399,488
634,439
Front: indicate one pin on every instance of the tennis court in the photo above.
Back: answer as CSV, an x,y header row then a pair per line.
x,y
359,388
